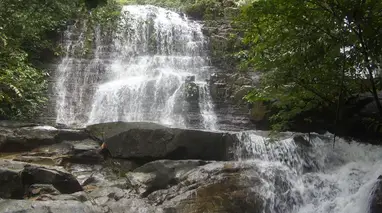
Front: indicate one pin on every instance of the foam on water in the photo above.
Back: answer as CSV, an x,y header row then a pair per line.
x,y
340,179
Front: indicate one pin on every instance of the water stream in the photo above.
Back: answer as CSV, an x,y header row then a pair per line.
x,y
156,72
155,69
315,177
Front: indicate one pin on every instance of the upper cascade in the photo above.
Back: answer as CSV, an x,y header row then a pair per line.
x,y
155,70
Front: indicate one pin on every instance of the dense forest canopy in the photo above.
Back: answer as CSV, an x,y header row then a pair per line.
x,y
314,54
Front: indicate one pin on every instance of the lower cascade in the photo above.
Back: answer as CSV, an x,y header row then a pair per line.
x,y
313,177
140,135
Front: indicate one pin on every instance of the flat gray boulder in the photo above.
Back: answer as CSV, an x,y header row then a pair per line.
x,y
158,142
26,138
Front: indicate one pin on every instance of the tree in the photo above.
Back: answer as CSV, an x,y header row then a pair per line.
x,y
313,53
29,31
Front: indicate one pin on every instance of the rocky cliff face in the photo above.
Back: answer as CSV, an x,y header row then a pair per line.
x,y
229,84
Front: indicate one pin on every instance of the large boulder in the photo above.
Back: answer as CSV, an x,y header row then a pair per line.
x,y
159,175
104,131
170,143
64,182
17,176
376,197
10,184
26,138
197,186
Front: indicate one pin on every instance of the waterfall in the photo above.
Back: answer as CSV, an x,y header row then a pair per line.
x,y
314,177
156,71
155,68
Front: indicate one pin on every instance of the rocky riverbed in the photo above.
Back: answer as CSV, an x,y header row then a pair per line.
x,y
140,167
130,167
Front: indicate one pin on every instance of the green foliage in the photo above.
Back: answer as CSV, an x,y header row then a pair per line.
x,y
311,52
21,86
103,20
28,34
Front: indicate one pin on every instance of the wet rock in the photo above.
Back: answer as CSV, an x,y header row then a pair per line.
x,y
159,175
376,197
63,182
86,157
10,183
41,189
215,187
133,205
104,131
170,143
227,93
84,152
111,193
121,166
37,160
13,206
84,145
16,124
28,138
300,140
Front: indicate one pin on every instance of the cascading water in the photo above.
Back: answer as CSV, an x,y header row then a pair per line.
x,y
313,177
157,72
154,69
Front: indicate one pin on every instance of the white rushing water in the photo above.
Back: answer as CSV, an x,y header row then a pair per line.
x,y
316,178
156,71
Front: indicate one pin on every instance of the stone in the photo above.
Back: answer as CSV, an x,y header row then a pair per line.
x,y
26,138
113,193
37,160
214,187
10,184
13,206
300,140
132,205
170,143
159,175
64,182
16,124
104,131
376,197
31,137
41,189
121,166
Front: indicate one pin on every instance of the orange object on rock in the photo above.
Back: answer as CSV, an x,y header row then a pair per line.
x,y
103,146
